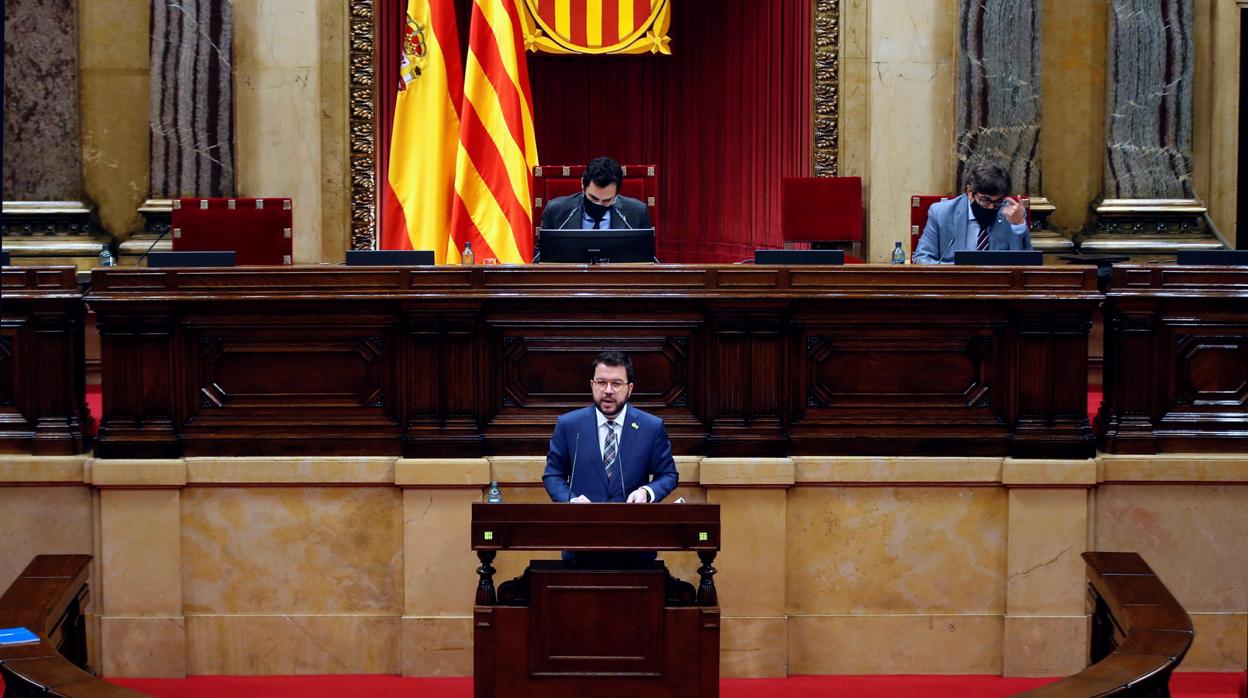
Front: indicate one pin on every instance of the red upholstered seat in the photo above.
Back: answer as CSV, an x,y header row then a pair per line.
x,y
258,231
919,203
552,181
823,209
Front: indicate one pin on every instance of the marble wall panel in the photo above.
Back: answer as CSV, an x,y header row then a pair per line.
x,y
42,140
437,646
39,521
140,553
879,644
192,115
1188,534
1221,643
753,647
1148,152
149,647
440,577
1045,645
1073,103
752,531
1048,531
310,550
998,100
278,108
292,644
116,132
920,550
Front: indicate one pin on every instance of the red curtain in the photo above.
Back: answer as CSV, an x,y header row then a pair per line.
x,y
724,117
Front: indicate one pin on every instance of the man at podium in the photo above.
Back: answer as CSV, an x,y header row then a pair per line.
x,y
610,451
600,203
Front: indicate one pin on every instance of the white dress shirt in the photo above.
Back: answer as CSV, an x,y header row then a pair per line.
x,y
619,443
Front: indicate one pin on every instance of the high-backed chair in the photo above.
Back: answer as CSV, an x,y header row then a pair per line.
x,y
552,181
823,211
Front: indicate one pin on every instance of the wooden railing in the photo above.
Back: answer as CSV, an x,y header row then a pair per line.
x,y
1139,635
47,598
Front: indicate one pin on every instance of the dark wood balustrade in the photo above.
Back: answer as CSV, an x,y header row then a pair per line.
x,y
464,361
1176,360
42,362
1139,635
47,598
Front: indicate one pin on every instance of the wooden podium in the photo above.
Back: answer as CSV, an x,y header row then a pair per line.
x,y
613,627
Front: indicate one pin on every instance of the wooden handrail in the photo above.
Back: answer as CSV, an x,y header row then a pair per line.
x,y
47,598
1139,635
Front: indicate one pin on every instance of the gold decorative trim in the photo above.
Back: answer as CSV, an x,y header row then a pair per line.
x,y
826,87
46,208
362,126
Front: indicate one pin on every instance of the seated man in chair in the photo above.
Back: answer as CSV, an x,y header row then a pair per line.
x,y
983,218
600,204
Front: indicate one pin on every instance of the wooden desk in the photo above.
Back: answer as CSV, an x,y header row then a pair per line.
x,y
1176,360
1139,635
47,598
569,630
470,361
42,364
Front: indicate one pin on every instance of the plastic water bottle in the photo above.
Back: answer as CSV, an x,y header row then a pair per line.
x,y
106,257
493,495
465,257
899,255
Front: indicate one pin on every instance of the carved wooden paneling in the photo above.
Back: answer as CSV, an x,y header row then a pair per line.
x,y
460,362
1176,360
42,365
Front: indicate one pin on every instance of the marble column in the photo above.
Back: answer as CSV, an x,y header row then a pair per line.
x,y
45,216
998,98
1148,202
191,109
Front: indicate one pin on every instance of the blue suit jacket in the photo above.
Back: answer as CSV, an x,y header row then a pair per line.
x,y
947,232
645,455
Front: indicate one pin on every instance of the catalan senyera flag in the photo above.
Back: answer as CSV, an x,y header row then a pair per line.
x,y
497,150
419,195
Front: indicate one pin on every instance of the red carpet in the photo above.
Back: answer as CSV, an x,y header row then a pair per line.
x,y
1196,685
95,407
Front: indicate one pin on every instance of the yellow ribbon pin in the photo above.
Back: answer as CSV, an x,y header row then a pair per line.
x,y
634,425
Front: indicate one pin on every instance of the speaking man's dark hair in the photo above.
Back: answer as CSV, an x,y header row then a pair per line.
x,y
989,178
603,171
612,358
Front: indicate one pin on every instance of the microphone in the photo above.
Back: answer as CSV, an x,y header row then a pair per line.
x,y
572,477
149,248
565,220
941,258
616,207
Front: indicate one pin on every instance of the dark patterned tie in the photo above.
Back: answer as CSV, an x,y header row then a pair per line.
x,y
609,450
982,245
597,224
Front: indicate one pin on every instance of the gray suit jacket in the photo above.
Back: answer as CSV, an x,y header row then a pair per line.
x,y
567,212
948,231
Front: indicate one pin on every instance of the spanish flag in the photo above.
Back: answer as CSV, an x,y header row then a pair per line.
x,y
419,198
497,151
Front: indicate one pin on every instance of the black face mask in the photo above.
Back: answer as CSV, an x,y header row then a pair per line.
x,y
595,211
985,217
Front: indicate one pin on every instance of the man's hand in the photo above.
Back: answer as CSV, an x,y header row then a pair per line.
x,y
579,499
1013,210
639,496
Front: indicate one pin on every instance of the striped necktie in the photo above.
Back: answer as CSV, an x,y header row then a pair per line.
x,y
609,449
982,245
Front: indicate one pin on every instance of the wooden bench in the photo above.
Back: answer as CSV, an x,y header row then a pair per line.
x,y
1139,635
48,598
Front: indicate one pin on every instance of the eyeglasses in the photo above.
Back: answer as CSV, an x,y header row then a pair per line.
x,y
983,200
602,384
601,202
